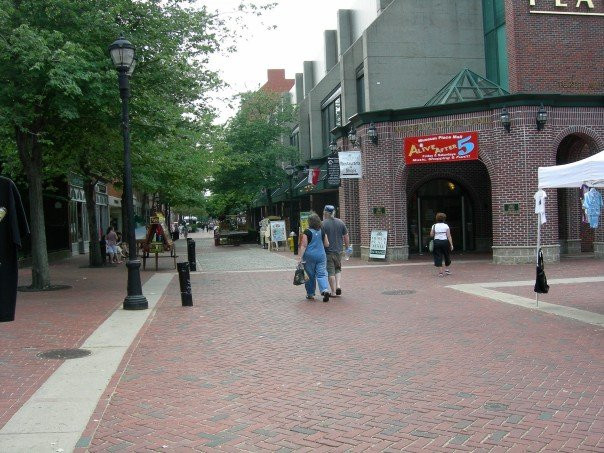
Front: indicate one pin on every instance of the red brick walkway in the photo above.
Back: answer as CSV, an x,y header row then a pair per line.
x,y
53,320
254,366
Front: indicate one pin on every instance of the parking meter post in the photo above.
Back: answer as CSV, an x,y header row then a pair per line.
x,y
191,254
184,278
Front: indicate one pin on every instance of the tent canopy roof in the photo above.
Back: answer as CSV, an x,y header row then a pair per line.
x,y
589,171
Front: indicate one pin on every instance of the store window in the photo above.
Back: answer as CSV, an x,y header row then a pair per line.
x,y
360,89
495,42
294,138
331,116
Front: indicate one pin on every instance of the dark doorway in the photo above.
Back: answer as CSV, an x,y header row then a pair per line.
x,y
441,195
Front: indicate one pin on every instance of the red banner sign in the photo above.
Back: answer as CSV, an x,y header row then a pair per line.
x,y
430,149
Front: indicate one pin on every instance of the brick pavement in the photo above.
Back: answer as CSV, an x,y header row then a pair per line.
x,y
253,366
53,320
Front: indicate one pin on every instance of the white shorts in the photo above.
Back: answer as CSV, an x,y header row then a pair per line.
x,y
112,249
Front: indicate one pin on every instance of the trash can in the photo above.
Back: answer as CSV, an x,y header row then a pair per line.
x,y
175,235
216,238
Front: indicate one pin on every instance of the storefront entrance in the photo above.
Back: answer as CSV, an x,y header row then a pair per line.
x,y
440,195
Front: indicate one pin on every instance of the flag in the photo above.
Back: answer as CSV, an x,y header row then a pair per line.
x,y
313,175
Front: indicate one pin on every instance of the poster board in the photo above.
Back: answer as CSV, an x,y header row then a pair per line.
x,y
278,231
304,220
377,247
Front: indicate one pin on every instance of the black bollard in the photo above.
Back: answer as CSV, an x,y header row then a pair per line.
x,y
191,254
184,279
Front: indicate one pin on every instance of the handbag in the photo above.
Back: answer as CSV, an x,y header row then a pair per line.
x,y
541,285
300,276
431,245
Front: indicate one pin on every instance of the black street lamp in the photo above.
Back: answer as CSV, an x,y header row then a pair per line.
x,y
293,221
122,54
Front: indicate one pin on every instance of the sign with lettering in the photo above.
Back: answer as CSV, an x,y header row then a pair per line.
x,y
304,220
333,171
377,246
566,7
350,165
278,230
430,149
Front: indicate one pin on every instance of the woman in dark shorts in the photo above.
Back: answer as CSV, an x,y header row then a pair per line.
x,y
443,244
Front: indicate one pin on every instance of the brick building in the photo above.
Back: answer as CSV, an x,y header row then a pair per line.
x,y
523,78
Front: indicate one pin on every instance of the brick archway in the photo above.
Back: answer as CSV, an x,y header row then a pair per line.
x,y
571,145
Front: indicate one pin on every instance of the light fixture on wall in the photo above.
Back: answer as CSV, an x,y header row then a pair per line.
x,y
541,117
506,122
372,133
352,135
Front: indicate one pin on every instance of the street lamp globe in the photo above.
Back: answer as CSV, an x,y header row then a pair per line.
x,y
122,54
290,169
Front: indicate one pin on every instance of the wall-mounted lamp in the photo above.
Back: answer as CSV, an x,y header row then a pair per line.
x,y
506,122
541,117
372,133
352,135
333,146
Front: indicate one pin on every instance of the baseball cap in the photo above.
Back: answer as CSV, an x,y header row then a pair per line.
x,y
329,208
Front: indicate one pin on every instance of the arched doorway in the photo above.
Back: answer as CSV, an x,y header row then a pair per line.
x,y
441,195
574,234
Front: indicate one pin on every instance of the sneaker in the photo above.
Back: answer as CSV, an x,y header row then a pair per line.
x,y
326,296
440,274
338,291
309,297
448,272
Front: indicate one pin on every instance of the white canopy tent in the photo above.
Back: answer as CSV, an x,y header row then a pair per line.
x,y
589,171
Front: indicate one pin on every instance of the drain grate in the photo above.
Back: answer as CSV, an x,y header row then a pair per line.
x,y
64,354
398,292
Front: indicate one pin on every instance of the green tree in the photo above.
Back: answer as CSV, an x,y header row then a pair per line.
x,y
253,151
58,97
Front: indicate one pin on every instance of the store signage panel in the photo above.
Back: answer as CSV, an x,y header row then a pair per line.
x,y
350,165
430,149
333,171
566,7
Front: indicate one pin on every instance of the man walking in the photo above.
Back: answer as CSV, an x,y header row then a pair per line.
x,y
337,234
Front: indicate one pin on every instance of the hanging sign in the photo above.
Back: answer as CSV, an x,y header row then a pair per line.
x,y
350,165
430,149
333,170
278,230
377,246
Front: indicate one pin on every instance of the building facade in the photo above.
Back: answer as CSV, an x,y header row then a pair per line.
x,y
522,80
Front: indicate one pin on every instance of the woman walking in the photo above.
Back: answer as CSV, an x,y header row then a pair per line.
x,y
111,239
443,244
312,252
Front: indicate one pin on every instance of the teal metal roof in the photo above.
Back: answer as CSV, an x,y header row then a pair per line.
x,y
466,86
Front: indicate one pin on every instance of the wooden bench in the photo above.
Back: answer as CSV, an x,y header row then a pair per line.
x,y
158,255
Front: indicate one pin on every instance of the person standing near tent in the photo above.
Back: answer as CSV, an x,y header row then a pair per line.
x,y
443,244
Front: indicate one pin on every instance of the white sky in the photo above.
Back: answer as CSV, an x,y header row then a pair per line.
x,y
298,37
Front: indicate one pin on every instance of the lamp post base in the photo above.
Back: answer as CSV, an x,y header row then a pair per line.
x,y
135,299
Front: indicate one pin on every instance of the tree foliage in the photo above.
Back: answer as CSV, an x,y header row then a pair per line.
x,y
253,152
59,104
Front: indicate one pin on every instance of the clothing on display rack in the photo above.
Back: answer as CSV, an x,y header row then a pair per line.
x,y
592,203
13,227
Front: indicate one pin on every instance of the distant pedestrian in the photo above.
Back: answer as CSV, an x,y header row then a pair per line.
x,y
312,252
337,234
111,240
443,244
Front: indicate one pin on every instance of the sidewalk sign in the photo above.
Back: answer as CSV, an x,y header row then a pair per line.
x,y
278,230
377,247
